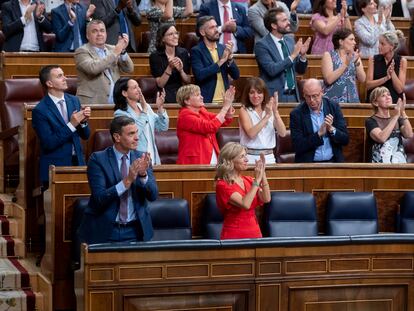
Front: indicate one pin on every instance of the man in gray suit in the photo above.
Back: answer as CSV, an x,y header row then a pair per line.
x,y
119,17
258,10
99,65
279,57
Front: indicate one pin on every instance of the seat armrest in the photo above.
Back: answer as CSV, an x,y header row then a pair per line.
x,y
6,134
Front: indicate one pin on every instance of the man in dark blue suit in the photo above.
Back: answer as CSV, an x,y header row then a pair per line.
x,y
279,57
23,26
69,24
59,122
317,127
236,27
122,183
212,62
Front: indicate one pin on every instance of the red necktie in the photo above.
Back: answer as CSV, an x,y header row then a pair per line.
x,y
226,18
123,207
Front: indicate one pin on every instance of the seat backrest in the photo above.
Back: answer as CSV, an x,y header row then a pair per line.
x,y
291,214
149,88
351,213
79,207
212,218
72,85
2,39
284,152
170,219
409,149
225,135
167,145
101,140
409,91
14,93
407,213
190,39
144,42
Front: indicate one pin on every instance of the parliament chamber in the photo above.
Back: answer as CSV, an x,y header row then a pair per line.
x,y
324,272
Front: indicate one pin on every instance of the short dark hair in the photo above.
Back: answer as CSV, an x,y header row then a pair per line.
x,y
44,74
340,34
270,17
119,100
201,22
118,123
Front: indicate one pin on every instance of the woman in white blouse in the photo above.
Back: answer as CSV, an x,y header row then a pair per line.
x,y
371,25
258,118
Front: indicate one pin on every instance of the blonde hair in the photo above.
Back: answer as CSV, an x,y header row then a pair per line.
x,y
185,92
377,92
225,165
394,38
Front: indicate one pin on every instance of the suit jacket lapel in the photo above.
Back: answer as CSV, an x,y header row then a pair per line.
x,y
307,118
70,108
215,12
273,47
16,9
206,52
54,109
113,162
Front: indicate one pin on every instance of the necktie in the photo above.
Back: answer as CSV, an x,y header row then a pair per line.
x,y
122,20
226,18
123,207
63,110
290,78
76,32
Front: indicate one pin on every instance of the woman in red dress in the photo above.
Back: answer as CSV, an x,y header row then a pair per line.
x,y
237,195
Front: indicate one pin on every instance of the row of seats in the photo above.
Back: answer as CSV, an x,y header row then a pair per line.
x,y
289,214
167,144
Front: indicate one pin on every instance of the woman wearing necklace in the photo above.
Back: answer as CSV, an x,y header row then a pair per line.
x,y
387,129
237,195
170,64
129,101
387,68
341,67
258,118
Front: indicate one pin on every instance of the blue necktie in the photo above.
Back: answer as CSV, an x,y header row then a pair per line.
x,y
76,32
122,20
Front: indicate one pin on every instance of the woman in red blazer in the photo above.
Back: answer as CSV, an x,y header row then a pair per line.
x,y
238,195
196,127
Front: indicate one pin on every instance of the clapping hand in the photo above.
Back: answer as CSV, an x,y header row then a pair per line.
x,y
305,47
259,169
390,69
160,101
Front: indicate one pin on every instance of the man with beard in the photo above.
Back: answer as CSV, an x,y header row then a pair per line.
x,y
212,62
278,56
259,9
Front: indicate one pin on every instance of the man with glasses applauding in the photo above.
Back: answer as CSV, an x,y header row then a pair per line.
x,y
317,127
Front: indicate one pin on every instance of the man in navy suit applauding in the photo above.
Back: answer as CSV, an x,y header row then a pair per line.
x,y
122,183
69,24
59,122
279,57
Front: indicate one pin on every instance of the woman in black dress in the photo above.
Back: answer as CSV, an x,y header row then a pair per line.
x,y
170,64
387,68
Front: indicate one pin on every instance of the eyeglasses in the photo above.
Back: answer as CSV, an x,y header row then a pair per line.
x,y
176,33
312,97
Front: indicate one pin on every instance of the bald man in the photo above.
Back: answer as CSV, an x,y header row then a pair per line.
x,y
317,127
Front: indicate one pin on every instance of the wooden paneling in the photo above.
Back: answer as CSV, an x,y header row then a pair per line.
x,y
387,182
362,276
